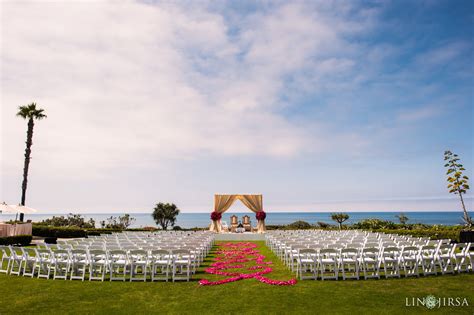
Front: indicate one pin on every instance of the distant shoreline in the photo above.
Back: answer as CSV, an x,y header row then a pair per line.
x,y
191,220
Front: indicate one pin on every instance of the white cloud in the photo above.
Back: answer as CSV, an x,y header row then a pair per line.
x,y
443,54
133,82
420,113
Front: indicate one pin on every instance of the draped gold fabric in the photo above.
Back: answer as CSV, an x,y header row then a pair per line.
x,y
223,202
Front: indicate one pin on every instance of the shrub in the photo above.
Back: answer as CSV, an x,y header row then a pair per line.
x,y
101,231
72,220
374,224
118,223
149,228
50,240
177,228
59,232
435,233
300,225
22,240
322,225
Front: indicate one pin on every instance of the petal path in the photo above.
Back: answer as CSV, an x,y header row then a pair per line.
x,y
239,256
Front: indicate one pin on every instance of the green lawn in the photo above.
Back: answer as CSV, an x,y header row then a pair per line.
x,y
33,296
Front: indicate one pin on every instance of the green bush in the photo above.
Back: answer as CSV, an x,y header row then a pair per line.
x,y
434,233
22,240
72,220
300,225
50,240
322,225
59,232
93,232
374,224
70,233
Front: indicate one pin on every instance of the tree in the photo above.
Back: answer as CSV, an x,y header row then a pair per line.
x,y
126,220
29,112
165,214
120,223
402,218
339,218
457,182
75,220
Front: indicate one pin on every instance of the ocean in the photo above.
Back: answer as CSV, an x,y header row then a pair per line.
x,y
190,220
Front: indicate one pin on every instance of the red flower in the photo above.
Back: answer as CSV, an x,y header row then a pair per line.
x,y
231,253
261,215
216,216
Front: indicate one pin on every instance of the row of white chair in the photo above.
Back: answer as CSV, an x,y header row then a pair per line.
x,y
134,265
328,254
370,262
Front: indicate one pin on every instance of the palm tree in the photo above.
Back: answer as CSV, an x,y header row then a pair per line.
x,y
29,112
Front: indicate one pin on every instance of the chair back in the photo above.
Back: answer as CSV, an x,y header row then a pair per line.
x,y
78,255
117,254
138,255
160,254
181,254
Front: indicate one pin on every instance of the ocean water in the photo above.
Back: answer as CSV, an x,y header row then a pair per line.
x,y
190,220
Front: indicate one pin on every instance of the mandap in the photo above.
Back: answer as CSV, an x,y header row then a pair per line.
x,y
223,202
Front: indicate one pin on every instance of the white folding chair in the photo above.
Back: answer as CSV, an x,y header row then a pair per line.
x,y
98,264
181,260
138,264
29,262
445,257
61,262
391,261
370,262
16,260
307,263
328,263
460,253
118,264
470,255
160,261
428,259
349,263
79,263
43,262
5,262
410,260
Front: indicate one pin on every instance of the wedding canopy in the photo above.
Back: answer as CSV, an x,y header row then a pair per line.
x,y
223,202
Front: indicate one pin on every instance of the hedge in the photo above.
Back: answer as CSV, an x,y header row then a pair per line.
x,y
22,240
436,234
101,231
60,232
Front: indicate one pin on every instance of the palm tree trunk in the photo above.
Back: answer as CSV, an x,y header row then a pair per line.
x,y
29,143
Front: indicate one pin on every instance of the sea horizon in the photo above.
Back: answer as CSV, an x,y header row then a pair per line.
x,y
202,219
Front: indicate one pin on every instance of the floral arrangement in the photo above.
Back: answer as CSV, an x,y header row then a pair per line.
x,y
261,215
216,216
242,255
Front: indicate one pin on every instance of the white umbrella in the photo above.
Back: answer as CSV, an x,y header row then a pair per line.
x,y
24,209
4,208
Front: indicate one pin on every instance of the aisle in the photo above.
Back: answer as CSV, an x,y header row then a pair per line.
x,y
241,260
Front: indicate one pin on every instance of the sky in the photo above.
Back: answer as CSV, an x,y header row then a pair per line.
x,y
318,105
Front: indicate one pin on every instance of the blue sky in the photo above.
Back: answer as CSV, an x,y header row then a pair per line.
x,y
320,106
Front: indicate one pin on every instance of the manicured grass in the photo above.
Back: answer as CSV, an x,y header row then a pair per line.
x,y
33,296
